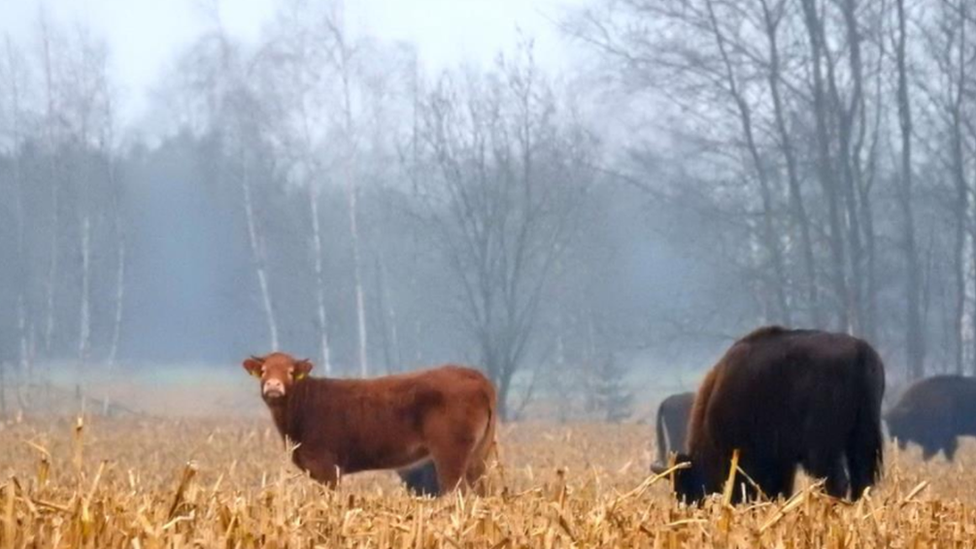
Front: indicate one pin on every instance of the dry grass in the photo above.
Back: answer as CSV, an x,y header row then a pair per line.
x,y
209,483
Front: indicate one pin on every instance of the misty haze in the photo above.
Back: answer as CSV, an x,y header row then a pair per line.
x,y
487,273
586,200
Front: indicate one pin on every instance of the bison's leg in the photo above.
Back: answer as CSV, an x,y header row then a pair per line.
x,y
781,482
863,466
929,449
949,447
831,469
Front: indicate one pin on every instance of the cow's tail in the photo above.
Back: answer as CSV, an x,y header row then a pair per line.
x,y
865,451
662,457
488,446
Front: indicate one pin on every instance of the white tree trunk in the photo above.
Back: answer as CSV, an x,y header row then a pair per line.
x,y
352,196
258,254
52,272
324,350
119,289
84,324
357,273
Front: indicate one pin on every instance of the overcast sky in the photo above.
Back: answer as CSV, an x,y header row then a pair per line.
x,y
144,34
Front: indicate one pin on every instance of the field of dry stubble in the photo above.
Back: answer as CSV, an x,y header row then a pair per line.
x,y
210,483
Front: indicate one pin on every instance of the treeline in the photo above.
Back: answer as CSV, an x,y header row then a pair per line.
x,y
832,146
715,165
315,192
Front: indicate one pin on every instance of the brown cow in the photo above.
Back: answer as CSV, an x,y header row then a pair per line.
x,y
672,425
785,398
933,412
342,426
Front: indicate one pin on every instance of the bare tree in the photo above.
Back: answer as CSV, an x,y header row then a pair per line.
x,y
507,177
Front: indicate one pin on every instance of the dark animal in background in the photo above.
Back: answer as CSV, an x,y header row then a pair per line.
x,y
446,415
421,480
672,425
785,398
932,412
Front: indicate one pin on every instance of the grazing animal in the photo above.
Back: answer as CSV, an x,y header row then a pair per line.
x,y
933,412
421,480
672,424
785,398
446,415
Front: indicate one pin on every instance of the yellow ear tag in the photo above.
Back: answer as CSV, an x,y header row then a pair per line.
x,y
299,376
256,373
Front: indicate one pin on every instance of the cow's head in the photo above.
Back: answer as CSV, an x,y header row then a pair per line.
x,y
278,373
688,483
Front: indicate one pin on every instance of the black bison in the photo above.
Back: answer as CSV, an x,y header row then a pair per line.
x,y
421,480
933,412
785,398
672,425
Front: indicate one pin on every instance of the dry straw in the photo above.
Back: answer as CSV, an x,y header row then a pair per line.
x,y
151,483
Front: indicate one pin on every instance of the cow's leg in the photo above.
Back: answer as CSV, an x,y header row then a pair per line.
x,y
321,467
929,449
456,449
475,475
450,448
451,462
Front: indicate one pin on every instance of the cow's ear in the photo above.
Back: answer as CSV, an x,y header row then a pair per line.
x,y
302,368
253,366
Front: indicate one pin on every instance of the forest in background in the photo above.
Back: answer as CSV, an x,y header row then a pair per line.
x,y
710,166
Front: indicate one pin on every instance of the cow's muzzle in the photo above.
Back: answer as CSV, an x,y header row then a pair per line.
x,y
273,389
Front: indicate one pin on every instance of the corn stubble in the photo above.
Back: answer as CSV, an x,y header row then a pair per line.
x,y
152,483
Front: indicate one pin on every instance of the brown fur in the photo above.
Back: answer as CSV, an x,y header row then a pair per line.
x,y
933,412
672,425
785,398
446,415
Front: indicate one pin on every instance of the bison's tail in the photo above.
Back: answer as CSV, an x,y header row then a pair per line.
x,y
866,445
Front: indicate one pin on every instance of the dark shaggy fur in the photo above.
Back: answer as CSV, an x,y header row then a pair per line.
x,y
933,412
672,425
785,398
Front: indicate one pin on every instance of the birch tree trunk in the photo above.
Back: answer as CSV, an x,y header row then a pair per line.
x,y
257,252
84,322
352,195
54,181
317,254
23,280
914,338
960,207
120,240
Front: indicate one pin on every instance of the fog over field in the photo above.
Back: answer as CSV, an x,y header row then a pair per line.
x,y
587,199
